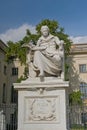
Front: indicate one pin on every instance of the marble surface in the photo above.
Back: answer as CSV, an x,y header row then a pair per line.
x,y
42,104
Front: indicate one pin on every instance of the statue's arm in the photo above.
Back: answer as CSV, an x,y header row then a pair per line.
x,y
60,43
38,47
61,48
57,41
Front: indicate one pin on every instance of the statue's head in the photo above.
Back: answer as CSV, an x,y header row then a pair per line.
x,y
45,30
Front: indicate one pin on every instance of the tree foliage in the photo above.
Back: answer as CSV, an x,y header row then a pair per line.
x,y
15,51
75,98
52,24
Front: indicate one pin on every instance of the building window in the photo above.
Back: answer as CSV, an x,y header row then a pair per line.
x,y
14,95
83,89
82,68
14,71
4,93
5,70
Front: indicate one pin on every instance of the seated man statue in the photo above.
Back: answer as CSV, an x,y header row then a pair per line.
x,y
48,55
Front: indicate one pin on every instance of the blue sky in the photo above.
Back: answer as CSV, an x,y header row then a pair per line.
x,y
71,14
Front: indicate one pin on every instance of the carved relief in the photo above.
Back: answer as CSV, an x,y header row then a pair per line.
x,y
41,109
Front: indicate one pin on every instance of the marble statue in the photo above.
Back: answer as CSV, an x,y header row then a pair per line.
x,y
48,55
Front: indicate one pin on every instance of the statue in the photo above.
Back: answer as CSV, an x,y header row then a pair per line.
x,y
48,55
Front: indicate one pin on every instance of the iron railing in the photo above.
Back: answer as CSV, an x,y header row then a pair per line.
x,y
77,117
8,117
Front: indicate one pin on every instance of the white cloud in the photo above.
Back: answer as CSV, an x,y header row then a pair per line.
x,y
79,39
16,34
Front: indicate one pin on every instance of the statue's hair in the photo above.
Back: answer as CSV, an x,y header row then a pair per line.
x,y
44,27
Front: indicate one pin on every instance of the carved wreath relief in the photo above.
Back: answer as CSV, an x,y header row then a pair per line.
x,y
41,109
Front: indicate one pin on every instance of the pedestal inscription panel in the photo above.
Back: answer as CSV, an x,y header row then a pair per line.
x,y
41,109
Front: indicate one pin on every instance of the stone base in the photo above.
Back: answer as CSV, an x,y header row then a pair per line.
x,y
42,104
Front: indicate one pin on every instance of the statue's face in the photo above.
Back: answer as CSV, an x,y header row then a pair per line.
x,y
45,32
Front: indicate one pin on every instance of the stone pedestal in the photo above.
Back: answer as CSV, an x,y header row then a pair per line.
x,y
42,104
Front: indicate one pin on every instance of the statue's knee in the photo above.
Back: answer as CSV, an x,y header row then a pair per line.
x,y
37,53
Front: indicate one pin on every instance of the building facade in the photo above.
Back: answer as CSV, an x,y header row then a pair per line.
x,y
77,72
9,73
3,73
